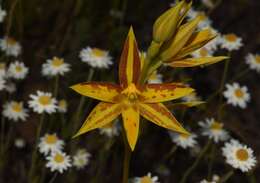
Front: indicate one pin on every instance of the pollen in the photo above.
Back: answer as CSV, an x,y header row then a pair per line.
x,y
44,100
57,62
51,139
184,136
17,107
18,68
146,179
10,41
242,154
58,158
257,59
231,37
239,93
203,52
131,92
98,52
216,126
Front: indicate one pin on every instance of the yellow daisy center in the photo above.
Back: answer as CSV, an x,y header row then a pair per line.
x,y
17,107
10,41
109,125
257,59
242,154
184,136
239,93
59,158
203,52
202,15
131,92
231,37
216,126
51,139
62,104
18,68
98,52
45,100
146,179
57,62
2,66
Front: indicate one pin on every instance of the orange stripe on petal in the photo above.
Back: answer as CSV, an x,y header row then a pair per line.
x,y
155,93
100,91
131,124
100,116
129,66
161,116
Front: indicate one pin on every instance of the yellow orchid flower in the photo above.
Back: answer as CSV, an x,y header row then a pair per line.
x,y
130,99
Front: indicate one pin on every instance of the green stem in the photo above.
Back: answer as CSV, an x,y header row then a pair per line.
x,y
34,154
226,176
240,74
211,161
127,158
172,151
53,177
196,162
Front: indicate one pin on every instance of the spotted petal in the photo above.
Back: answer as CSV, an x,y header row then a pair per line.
x,y
131,125
161,116
193,62
100,91
100,116
155,93
130,66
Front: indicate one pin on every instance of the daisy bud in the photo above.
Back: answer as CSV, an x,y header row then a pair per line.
x,y
165,26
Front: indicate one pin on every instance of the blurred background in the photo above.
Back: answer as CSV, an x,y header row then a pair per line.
x,y
63,27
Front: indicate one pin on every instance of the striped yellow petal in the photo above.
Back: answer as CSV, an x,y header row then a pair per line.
x,y
131,125
154,93
161,116
196,41
193,62
101,91
100,116
129,66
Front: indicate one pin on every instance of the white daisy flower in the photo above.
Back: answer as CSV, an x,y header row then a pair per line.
x,y
2,84
15,111
110,130
215,179
58,161
191,97
62,106
231,42
17,70
81,159
19,143
2,70
204,21
2,14
147,179
10,46
237,95
55,66
50,143
43,102
10,87
155,78
202,52
214,130
96,57
239,156
253,61
183,140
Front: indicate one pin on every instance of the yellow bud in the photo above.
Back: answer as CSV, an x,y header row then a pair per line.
x,y
166,25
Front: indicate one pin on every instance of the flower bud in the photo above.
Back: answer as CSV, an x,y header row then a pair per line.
x,y
166,25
